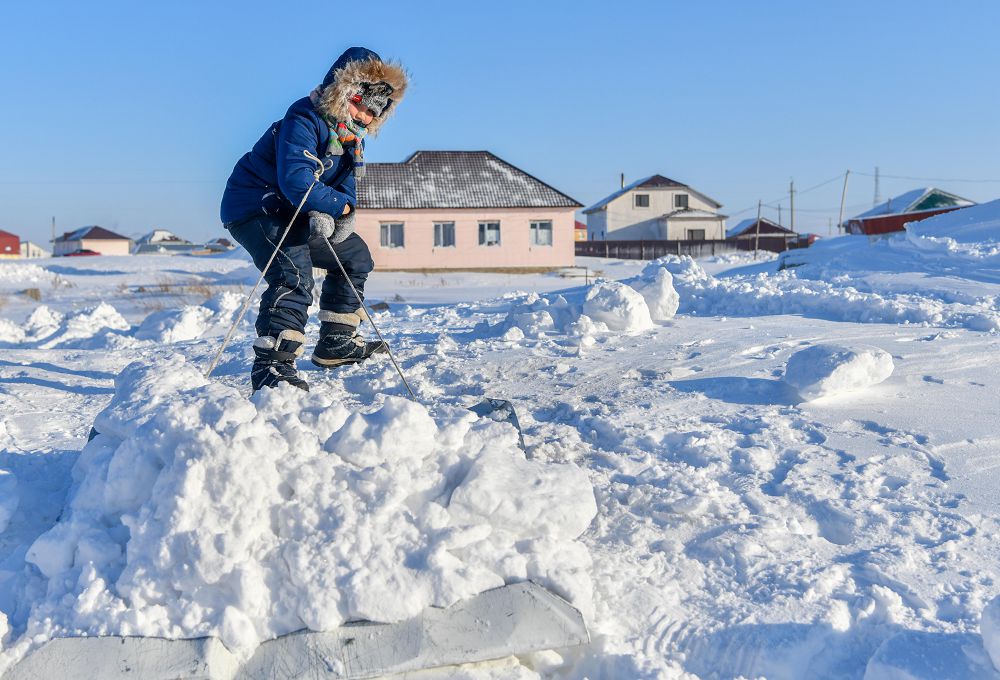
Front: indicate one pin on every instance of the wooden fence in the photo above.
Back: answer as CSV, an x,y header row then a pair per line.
x,y
650,250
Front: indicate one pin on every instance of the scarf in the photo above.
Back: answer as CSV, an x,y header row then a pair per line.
x,y
346,134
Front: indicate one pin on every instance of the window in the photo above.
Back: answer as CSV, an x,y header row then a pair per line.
x,y
642,200
392,235
681,201
541,233
444,234
696,234
489,233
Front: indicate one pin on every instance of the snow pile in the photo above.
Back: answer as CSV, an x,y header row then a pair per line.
x,y
197,512
661,297
191,321
618,306
535,316
8,495
989,628
85,325
978,225
823,371
10,332
18,274
43,322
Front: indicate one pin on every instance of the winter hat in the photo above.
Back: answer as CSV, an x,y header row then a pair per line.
x,y
360,75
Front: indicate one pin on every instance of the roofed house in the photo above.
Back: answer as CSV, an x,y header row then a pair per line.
x,y
162,242
912,206
33,251
655,208
97,239
769,236
10,245
463,210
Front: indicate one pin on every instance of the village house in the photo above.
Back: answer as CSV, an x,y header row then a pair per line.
x,y
162,242
912,206
33,251
768,236
655,208
93,238
10,245
463,210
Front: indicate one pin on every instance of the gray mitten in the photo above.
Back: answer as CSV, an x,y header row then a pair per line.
x,y
344,227
321,225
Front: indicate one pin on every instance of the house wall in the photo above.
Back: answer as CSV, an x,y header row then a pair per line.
x,y
32,250
677,228
889,223
104,246
10,246
514,249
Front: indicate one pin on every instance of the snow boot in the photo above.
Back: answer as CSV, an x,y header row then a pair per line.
x,y
275,362
339,340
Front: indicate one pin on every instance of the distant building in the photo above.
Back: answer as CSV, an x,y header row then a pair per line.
x,y
10,245
97,239
219,245
655,208
770,236
162,242
580,231
463,210
912,206
33,251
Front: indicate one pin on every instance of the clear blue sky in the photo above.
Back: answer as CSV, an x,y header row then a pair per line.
x,y
131,114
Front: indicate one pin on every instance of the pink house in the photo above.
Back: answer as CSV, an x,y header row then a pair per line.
x,y
463,210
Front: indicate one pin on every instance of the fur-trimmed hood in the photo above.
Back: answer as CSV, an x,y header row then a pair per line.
x,y
355,66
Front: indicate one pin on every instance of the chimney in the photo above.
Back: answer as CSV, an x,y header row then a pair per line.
x,y
623,180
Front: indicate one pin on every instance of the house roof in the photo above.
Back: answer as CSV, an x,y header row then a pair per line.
x,y
695,214
455,179
161,236
91,232
915,200
651,182
747,224
8,234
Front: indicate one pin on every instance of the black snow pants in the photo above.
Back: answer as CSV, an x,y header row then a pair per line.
x,y
285,303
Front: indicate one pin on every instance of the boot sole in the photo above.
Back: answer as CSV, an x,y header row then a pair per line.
x,y
333,363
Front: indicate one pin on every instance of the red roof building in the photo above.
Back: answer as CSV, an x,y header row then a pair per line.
x,y
913,206
10,245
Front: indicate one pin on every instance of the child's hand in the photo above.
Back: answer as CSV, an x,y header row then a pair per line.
x,y
321,224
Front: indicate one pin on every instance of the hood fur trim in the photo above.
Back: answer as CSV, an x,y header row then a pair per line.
x,y
334,98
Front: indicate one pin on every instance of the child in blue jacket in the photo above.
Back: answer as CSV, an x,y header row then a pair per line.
x,y
353,101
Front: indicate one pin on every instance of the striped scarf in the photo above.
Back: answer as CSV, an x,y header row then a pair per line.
x,y
347,134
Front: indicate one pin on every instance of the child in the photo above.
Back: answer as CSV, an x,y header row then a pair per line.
x,y
354,100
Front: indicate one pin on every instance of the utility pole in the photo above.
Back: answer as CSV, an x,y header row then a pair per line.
x,y
876,201
623,180
843,197
791,198
53,234
779,214
756,243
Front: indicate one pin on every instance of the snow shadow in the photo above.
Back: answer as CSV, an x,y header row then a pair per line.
x,y
61,386
76,271
53,368
741,390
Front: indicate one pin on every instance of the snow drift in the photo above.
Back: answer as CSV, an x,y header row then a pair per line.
x,y
824,371
197,512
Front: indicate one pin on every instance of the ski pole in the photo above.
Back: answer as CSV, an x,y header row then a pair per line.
x,y
317,173
370,319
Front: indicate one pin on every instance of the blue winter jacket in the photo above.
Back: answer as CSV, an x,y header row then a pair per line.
x,y
272,178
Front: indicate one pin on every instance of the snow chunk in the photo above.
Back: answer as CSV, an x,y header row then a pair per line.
x,y
10,332
915,655
660,296
43,322
9,498
619,306
989,628
824,371
190,322
85,325
197,512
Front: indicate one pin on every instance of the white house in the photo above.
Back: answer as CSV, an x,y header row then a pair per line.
x,y
655,208
93,238
31,250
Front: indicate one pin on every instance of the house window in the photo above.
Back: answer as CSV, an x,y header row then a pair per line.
x,y
642,200
392,235
489,233
681,201
444,234
696,234
541,233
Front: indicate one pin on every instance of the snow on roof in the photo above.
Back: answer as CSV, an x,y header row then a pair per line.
x,y
694,212
161,236
455,179
92,232
908,201
743,225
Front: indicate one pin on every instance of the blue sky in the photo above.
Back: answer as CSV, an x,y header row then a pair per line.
x,y
131,115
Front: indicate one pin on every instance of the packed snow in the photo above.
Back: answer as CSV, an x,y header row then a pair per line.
x,y
784,469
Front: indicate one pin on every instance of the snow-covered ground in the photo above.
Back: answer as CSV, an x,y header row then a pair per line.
x,y
781,468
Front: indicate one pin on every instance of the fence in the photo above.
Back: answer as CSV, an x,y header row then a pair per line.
x,y
650,250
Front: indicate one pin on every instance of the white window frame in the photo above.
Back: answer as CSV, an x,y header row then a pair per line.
x,y
535,227
386,233
635,201
484,230
439,235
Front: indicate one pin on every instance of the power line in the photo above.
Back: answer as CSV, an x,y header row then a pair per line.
x,y
923,179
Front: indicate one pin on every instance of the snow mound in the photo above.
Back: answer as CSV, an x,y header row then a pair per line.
x,y
11,333
85,325
43,322
660,295
198,512
20,274
618,306
8,495
190,322
823,371
989,628
978,224
916,655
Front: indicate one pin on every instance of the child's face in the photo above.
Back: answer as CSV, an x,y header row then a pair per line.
x,y
360,113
